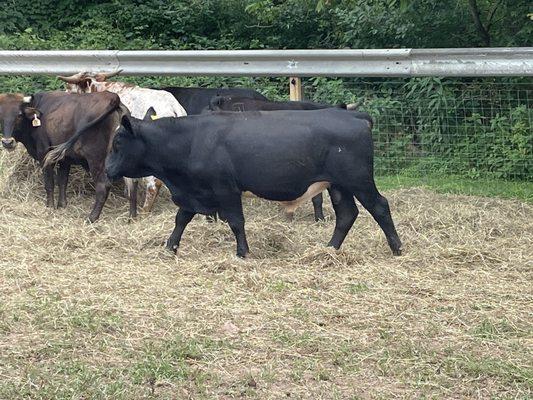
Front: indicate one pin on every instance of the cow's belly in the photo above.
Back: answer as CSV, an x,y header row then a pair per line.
x,y
312,191
290,198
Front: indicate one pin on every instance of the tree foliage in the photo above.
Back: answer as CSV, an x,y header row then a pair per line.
x,y
251,24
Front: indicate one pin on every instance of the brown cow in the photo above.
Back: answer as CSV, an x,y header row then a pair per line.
x,y
51,118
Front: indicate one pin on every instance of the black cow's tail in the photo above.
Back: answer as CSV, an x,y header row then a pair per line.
x,y
58,152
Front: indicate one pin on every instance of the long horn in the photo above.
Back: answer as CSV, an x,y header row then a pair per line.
x,y
105,75
73,78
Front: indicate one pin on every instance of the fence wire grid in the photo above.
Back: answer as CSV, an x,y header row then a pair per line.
x,y
474,128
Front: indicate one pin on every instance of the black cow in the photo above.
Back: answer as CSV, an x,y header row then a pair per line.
x,y
196,99
49,119
236,103
208,161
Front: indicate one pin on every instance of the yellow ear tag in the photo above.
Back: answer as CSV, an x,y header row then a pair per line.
x,y
154,117
36,121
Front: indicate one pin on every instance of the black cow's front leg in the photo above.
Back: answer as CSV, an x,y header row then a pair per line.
x,y
62,180
48,176
231,211
182,220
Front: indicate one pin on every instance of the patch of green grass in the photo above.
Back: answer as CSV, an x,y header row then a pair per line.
x,y
490,330
51,310
345,357
170,360
279,286
305,342
66,379
460,185
485,367
357,287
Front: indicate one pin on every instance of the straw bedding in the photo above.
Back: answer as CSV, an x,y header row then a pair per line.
x,y
103,311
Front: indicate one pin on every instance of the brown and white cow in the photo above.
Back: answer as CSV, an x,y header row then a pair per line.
x,y
139,101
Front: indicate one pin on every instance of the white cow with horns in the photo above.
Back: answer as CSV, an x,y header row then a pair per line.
x,y
138,100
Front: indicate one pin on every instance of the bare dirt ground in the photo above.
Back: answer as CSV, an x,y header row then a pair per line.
x,y
103,311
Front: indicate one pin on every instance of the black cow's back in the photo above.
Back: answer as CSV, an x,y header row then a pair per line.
x,y
195,99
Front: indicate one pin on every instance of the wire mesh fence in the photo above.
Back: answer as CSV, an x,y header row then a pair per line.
x,y
475,128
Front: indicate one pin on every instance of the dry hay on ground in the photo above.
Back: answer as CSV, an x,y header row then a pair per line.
x,y
102,311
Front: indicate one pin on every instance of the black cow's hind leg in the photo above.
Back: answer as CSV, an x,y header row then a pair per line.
x,y
231,211
48,177
317,206
182,220
62,180
378,206
345,214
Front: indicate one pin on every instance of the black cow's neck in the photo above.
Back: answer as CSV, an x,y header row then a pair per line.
x,y
165,149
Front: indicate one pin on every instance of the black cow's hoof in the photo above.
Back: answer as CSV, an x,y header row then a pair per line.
x,y
172,248
397,252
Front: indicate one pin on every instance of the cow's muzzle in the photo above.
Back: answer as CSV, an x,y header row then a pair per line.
x,y
9,143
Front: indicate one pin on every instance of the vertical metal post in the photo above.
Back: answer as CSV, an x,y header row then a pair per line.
x,y
295,85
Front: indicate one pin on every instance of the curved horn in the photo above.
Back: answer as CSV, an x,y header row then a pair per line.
x,y
105,75
73,78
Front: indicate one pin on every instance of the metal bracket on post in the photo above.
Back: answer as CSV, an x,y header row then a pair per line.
x,y
295,85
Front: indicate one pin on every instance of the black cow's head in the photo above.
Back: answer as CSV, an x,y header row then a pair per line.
x,y
226,103
15,109
127,152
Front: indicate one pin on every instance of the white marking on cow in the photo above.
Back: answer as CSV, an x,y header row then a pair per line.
x,y
316,188
152,189
291,206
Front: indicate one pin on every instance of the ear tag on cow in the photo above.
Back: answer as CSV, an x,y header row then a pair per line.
x,y
154,117
36,121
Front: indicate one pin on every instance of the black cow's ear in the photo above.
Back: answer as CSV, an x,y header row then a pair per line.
x,y
150,114
126,123
215,103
